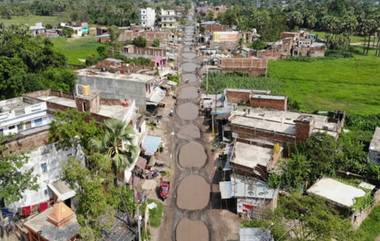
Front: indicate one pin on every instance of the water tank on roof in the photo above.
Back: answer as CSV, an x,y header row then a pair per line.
x,y
86,90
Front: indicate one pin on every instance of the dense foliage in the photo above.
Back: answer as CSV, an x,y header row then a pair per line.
x,y
339,18
13,181
98,195
29,64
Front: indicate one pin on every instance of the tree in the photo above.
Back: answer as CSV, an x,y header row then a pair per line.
x,y
295,20
117,143
139,42
312,219
156,43
71,128
67,32
14,180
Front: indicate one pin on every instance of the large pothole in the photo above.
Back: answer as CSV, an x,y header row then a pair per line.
x,y
189,230
187,111
193,193
191,155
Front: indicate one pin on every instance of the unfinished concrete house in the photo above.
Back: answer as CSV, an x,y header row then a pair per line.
x,y
343,197
110,79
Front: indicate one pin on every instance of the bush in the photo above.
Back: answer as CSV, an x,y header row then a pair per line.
x,y
139,42
338,53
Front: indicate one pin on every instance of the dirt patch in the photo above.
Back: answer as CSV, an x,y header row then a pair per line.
x,y
193,193
188,230
192,154
225,225
188,92
189,131
187,111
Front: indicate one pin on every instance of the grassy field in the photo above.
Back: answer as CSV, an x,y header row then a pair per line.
x,y
76,50
349,84
370,228
32,19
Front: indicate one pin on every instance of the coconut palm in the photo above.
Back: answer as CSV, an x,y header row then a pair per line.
x,y
117,144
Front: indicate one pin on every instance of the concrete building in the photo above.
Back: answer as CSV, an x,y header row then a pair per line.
x,y
21,115
164,36
343,197
28,120
147,17
168,19
37,29
294,44
112,82
254,159
79,29
374,147
100,109
253,197
282,126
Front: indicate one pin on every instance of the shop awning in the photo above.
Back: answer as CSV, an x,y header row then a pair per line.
x,y
150,144
62,190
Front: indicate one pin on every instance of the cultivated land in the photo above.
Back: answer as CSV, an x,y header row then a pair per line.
x,y
349,84
32,19
76,50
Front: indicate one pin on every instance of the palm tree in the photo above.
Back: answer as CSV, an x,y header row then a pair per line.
x,y
117,144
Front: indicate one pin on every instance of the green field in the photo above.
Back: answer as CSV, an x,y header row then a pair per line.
x,y
349,84
33,19
76,50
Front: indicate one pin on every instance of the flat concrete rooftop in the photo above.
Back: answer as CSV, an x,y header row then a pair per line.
x,y
110,111
92,72
336,192
279,121
251,155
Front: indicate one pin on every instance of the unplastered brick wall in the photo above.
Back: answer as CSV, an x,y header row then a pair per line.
x,y
270,103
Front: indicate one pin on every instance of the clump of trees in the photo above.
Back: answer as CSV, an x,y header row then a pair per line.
x,y
321,155
13,181
339,18
28,64
108,150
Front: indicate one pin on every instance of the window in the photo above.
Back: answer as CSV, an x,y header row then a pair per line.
x,y
11,127
37,122
46,192
44,167
20,127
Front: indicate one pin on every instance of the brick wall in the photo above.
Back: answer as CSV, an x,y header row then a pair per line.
x,y
251,66
238,96
270,103
249,132
27,143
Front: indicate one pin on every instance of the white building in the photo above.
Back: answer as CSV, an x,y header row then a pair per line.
x,y
47,163
374,147
168,19
147,17
18,115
